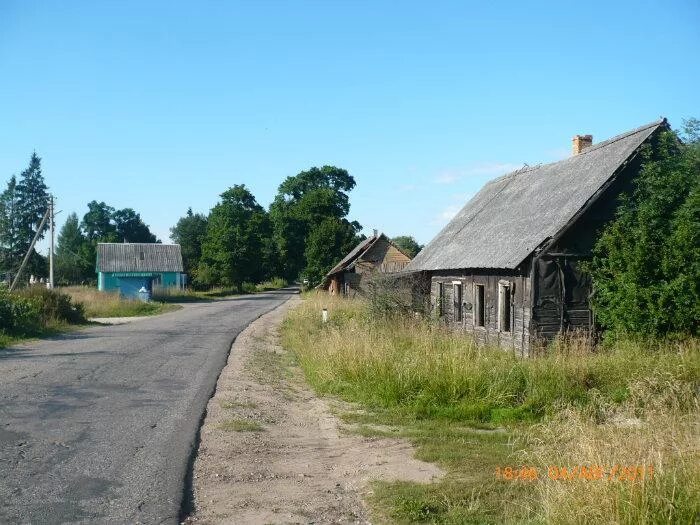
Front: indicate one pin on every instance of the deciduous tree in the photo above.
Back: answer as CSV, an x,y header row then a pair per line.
x,y
327,244
302,203
234,247
408,245
189,233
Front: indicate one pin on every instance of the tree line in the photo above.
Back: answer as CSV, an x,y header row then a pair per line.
x,y
23,204
304,232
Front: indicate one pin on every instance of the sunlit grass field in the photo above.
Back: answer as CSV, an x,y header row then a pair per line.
x,y
111,304
477,411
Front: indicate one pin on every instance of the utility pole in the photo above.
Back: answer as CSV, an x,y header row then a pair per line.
x,y
29,251
52,227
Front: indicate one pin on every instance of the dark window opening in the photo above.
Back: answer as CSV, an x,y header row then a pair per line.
x,y
441,299
479,306
141,256
504,308
457,297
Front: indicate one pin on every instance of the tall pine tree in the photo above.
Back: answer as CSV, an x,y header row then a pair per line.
x,y
9,230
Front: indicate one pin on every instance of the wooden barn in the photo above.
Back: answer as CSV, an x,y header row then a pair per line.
x,y
131,267
508,267
375,254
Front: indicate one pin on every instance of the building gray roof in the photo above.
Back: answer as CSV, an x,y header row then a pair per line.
x,y
358,250
138,257
514,214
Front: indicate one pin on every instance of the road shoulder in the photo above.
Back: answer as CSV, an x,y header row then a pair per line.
x,y
273,452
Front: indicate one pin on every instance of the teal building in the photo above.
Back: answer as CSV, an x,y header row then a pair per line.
x,y
133,269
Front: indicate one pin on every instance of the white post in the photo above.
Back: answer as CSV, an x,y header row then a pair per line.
x,y
52,227
324,315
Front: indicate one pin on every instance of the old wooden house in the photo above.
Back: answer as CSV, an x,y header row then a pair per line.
x,y
508,266
375,254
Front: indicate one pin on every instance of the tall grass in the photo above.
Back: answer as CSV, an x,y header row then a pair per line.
x,y
425,370
629,404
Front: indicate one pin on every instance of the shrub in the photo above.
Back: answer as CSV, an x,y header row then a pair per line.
x,y
17,314
646,267
54,306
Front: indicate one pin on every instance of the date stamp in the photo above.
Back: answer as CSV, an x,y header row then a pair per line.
x,y
628,473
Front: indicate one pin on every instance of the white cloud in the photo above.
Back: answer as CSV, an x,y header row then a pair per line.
x,y
447,214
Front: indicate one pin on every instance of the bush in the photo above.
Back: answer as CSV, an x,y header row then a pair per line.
x,y
54,306
17,314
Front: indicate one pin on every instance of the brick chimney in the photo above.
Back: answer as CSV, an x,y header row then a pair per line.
x,y
582,142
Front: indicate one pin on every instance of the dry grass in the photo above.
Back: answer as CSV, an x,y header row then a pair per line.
x,y
648,447
110,304
629,405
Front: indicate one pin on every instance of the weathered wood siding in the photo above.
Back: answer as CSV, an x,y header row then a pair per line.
x,y
518,338
382,257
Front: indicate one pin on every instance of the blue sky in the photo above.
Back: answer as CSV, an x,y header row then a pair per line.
x,y
160,106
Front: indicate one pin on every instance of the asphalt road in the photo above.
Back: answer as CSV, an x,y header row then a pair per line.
x,y
99,425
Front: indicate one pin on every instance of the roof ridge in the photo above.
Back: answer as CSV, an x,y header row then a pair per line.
x,y
526,168
617,138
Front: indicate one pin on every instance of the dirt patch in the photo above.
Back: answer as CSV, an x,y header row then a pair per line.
x,y
272,452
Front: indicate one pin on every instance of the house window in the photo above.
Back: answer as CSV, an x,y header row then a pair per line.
x,y
457,298
141,256
441,299
479,305
504,306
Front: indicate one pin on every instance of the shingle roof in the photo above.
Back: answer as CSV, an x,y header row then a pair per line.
x,y
354,254
126,257
514,214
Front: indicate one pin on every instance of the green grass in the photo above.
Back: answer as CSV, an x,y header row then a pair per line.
x,y
471,410
241,425
51,330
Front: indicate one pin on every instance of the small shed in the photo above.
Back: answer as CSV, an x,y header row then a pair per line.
x,y
508,268
375,254
132,267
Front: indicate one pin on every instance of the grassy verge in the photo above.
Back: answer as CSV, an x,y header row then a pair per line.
x,y
52,329
107,304
475,410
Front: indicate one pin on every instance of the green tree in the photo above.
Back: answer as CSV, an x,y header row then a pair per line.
x,y
74,255
98,223
22,206
130,228
330,238
302,203
233,250
646,266
189,233
10,244
408,245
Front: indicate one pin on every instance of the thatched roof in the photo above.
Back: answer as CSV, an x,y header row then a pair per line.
x,y
514,214
138,257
